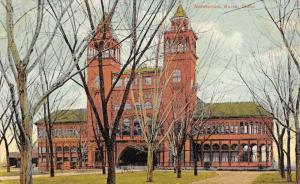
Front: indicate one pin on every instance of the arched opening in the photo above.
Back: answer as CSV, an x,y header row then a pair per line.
x,y
225,153
263,154
134,156
245,148
254,153
216,154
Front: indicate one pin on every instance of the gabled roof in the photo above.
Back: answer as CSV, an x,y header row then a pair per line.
x,y
180,12
206,110
231,110
67,116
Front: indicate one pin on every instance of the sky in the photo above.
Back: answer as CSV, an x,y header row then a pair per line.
x,y
227,36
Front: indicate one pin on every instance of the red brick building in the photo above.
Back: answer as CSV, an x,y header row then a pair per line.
x,y
234,134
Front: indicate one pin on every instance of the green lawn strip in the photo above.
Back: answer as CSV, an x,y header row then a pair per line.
x,y
271,178
160,177
11,173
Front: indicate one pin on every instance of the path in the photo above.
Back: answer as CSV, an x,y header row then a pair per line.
x,y
231,177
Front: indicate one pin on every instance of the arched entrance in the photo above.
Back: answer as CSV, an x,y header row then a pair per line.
x,y
133,156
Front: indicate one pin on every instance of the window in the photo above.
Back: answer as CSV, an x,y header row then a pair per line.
x,y
126,127
119,83
148,96
242,128
167,46
245,153
138,106
148,105
43,149
225,156
74,149
148,81
206,157
58,149
116,107
127,106
234,157
97,82
137,127
66,149
176,75
215,156
126,80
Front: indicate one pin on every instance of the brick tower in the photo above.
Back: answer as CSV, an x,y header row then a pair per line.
x,y
111,64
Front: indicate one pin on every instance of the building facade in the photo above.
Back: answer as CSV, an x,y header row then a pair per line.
x,y
233,134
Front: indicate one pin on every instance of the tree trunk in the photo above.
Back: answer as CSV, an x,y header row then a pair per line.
x,y
282,171
7,155
26,126
179,152
111,172
26,163
195,167
150,164
280,155
51,156
103,161
298,157
175,163
195,158
288,163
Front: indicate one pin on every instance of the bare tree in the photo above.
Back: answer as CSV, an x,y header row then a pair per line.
x,y
273,89
285,17
6,135
150,25
22,60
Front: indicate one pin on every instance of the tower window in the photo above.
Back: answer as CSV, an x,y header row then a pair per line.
x,y
126,127
167,46
148,81
119,82
126,80
176,76
148,105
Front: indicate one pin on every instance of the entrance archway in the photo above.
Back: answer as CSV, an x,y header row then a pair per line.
x,y
133,156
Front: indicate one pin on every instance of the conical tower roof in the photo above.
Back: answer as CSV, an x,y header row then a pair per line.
x,y
180,12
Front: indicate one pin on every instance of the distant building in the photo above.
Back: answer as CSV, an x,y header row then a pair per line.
x,y
237,132
15,159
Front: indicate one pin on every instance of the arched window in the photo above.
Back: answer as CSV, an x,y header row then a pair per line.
x,y
206,155
176,75
225,153
216,154
126,127
148,105
234,153
137,126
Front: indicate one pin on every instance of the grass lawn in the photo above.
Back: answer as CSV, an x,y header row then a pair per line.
x,y
11,173
271,178
160,177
